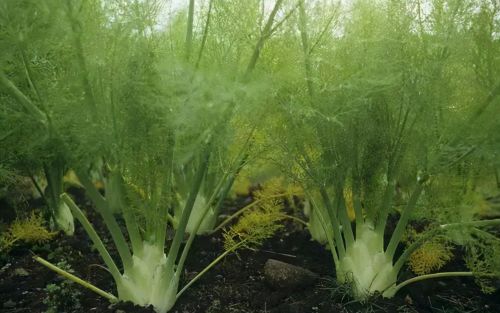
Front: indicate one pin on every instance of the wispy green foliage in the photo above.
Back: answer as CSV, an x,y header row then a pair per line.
x,y
370,106
118,99
388,107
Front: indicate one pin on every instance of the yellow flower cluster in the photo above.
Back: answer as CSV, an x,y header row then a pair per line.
x,y
260,223
30,230
431,256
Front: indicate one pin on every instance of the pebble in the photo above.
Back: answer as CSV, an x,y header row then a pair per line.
x,y
282,275
9,304
5,267
21,272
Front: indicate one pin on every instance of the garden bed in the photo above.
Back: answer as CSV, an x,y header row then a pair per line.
x,y
237,284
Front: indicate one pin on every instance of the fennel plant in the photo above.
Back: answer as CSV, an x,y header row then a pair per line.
x,y
34,144
384,110
136,113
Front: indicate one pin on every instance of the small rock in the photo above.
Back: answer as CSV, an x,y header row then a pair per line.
x,y
286,276
408,300
9,304
21,272
214,240
5,267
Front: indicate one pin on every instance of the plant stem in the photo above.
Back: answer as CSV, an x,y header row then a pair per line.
x,y
230,176
75,279
325,225
29,75
161,232
192,235
102,207
403,220
266,32
39,189
206,269
84,74
305,46
22,99
189,32
497,176
130,222
337,235
342,213
295,219
385,207
186,212
393,290
325,30
108,260
205,34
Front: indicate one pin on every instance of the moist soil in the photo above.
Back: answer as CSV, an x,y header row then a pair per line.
x,y
236,285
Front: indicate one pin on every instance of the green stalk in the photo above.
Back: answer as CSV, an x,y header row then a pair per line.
x,y
308,70
108,260
133,231
215,193
102,207
497,176
385,207
192,235
77,41
185,251
325,227
358,210
39,188
324,30
305,47
130,222
294,218
62,217
54,175
405,216
337,236
230,178
266,32
29,75
356,184
161,230
205,34
342,213
392,169
391,291
179,234
223,192
208,267
77,280
189,32
22,99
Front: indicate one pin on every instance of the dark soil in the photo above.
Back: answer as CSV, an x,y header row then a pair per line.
x,y
237,284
